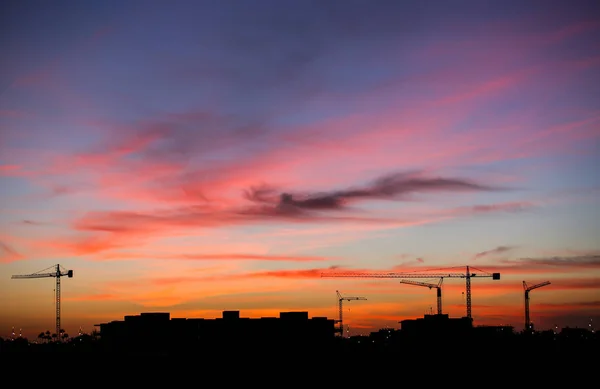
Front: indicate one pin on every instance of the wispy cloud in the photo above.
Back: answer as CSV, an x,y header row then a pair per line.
x,y
497,250
571,305
297,274
8,253
540,265
109,230
573,262
577,283
32,222
10,170
395,186
212,257
267,205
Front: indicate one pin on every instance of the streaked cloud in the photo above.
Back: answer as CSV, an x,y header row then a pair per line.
x,y
214,257
549,263
8,253
487,253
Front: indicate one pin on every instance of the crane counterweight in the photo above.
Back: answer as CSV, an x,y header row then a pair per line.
x,y
438,286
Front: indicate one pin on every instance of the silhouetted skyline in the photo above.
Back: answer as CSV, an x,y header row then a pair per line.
x,y
289,333
195,157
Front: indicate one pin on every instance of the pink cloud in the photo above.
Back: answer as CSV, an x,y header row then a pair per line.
x,y
85,245
11,170
118,228
486,88
155,140
274,161
8,253
313,273
215,257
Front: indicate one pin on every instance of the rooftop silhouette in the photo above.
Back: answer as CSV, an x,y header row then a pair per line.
x,y
158,334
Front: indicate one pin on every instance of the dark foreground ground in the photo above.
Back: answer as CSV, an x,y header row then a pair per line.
x,y
473,363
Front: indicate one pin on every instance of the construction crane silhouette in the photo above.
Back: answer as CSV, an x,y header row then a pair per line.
x,y
528,289
340,307
467,276
57,273
438,286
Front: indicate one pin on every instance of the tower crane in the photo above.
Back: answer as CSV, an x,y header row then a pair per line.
x,y
527,290
467,276
57,273
340,303
438,286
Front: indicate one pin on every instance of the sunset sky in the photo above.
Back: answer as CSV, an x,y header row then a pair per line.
x,y
193,157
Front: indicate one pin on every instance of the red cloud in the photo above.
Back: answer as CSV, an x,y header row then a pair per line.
x,y
306,273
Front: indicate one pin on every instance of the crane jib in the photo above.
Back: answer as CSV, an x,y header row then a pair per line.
x,y
468,275
57,273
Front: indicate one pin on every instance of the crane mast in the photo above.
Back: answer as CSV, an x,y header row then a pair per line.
x,y
438,286
528,289
467,276
57,273
340,308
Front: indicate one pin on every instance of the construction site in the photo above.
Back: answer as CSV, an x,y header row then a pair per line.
x,y
439,319
433,326
295,336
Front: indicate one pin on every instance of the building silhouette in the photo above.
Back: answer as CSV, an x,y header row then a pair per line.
x,y
436,326
158,333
